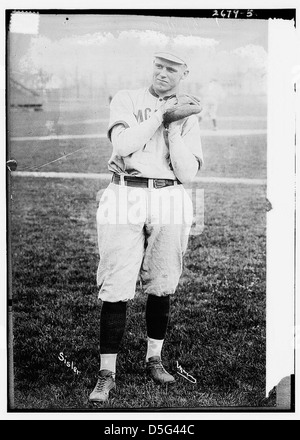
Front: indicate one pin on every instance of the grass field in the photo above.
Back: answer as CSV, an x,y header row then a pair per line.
x,y
239,156
217,326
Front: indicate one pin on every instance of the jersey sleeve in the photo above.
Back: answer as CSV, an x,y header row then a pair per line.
x,y
192,137
121,111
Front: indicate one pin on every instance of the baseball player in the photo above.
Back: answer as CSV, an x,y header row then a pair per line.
x,y
213,94
138,234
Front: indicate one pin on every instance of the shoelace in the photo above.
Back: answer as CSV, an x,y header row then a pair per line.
x,y
100,386
158,366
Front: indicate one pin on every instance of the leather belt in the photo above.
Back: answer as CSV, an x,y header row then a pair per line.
x,y
143,182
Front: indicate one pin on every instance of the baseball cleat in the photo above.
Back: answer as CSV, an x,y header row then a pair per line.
x,y
104,385
156,370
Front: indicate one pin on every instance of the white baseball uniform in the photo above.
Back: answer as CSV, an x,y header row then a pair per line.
x,y
148,240
130,108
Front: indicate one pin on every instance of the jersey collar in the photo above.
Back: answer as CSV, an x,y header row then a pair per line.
x,y
153,93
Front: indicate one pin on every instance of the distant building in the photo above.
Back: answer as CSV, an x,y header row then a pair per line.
x,y
20,96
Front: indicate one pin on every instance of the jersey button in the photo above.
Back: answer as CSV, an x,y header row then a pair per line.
x,y
160,99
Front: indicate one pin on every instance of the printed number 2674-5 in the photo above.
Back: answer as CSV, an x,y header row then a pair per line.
x,y
232,13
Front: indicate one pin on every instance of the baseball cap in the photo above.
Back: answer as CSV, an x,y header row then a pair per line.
x,y
170,57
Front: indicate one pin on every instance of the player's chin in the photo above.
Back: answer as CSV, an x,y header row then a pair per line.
x,y
161,85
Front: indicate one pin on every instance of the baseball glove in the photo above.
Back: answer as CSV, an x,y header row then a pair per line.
x,y
185,106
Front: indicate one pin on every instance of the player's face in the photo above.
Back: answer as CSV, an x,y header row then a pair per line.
x,y
167,76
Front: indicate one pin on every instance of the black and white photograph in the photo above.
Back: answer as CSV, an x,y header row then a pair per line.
x,y
144,157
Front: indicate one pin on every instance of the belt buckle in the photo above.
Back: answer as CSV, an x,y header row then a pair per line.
x,y
159,183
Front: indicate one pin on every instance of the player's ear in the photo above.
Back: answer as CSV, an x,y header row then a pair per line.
x,y
185,73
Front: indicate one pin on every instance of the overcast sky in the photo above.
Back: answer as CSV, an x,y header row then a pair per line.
x,y
229,33
103,47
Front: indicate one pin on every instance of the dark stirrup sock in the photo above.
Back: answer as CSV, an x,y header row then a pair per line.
x,y
112,326
157,316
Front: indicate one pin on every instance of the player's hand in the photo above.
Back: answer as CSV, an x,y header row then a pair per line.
x,y
166,105
184,106
169,104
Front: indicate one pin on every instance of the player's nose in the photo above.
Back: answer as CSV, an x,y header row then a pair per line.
x,y
162,73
